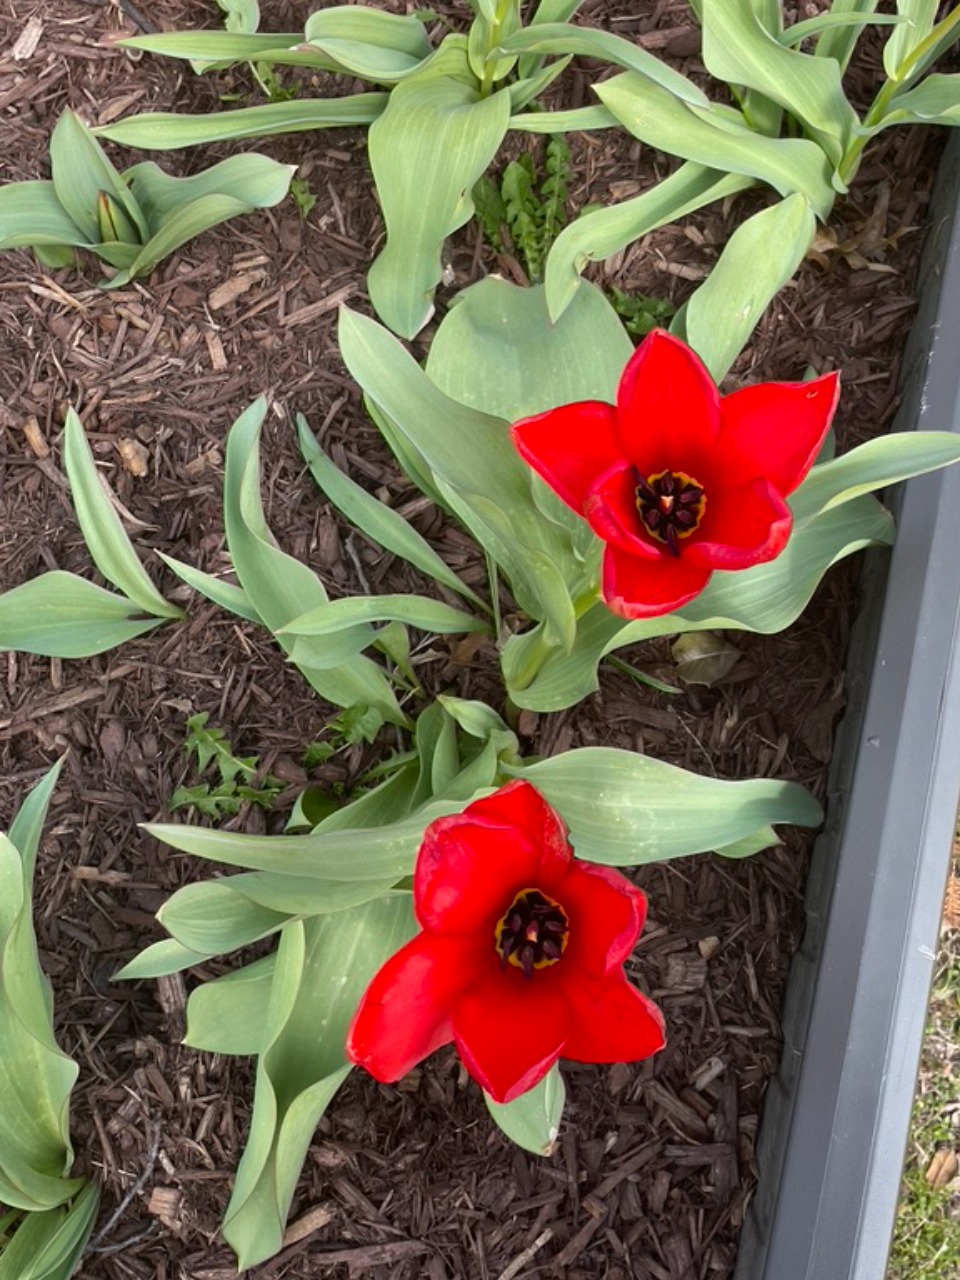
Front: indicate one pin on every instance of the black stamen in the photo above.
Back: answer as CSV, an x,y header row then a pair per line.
x,y
671,505
533,932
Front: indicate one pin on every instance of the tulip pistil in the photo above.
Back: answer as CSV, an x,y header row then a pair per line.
x,y
533,934
671,505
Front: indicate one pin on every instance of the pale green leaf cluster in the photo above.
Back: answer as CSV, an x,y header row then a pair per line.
x,y
130,220
51,1213
62,615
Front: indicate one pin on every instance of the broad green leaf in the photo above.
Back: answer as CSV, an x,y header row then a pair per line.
x,y
591,42
81,171
919,16
757,261
278,586
427,149
475,718
60,615
331,629
871,466
106,539
226,594
747,846
35,1076
226,1015
578,119
654,116
488,486
737,49
605,231
211,918
498,326
240,15
254,180
223,48
624,809
376,521
158,960
304,895
826,22
532,1121
322,969
371,44
839,42
766,598
163,130
530,86
355,855
31,214
47,1245
935,101
943,36
185,223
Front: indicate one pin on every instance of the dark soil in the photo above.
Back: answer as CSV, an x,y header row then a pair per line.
x,y
655,1164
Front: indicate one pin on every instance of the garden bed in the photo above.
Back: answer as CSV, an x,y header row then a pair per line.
x,y
656,1163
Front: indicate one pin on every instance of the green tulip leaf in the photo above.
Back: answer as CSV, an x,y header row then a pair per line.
x,y
106,539
605,231
496,325
59,615
532,1121
591,42
160,959
226,1015
277,585
371,44
163,130
757,261
625,809
31,215
427,149
710,138
839,41
36,1077
47,1245
384,527
935,101
81,172
253,180
226,594
918,17
322,968
738,49
576,120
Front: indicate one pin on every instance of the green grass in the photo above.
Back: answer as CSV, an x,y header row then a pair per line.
x,y
926,1241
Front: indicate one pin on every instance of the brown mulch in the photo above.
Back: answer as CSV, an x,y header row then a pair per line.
x,y
655,1163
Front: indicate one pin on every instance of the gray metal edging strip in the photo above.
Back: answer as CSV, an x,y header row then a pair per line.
x,y
837,1119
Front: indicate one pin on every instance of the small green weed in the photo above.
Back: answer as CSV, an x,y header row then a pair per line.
x,y
236,775
640,314
303,197
523,214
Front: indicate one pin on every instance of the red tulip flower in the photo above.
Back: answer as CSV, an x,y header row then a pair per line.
x,y
676,479
520,958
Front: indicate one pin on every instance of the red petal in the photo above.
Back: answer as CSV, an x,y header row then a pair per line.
x,y
776,429
404,1014
668,407
606,913
635,588
509,1032
569,447
611,509
472,864
611,1021
741,527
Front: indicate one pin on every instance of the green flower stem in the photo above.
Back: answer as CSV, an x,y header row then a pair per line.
x,y
495,37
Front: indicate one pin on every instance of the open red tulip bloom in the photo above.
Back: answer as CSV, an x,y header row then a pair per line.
x,y
676,479
520,958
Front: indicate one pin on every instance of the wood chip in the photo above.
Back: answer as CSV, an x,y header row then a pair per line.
x,y
232,289
35,437
218,359
307,1223
27,41
134,456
